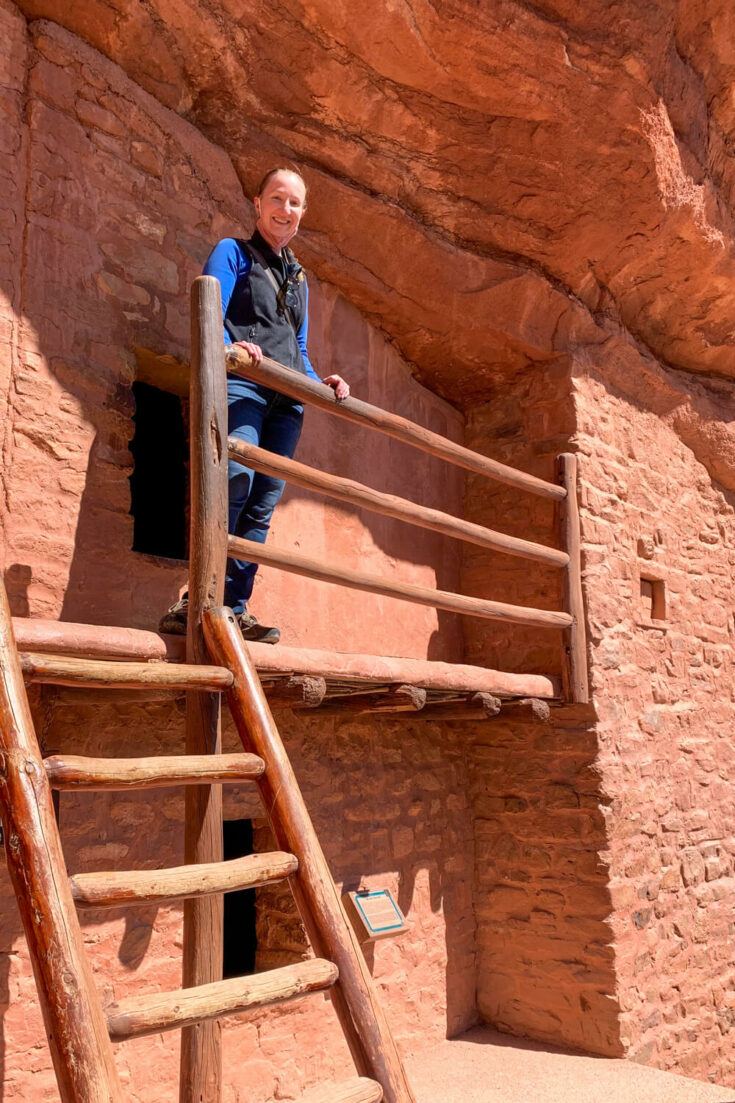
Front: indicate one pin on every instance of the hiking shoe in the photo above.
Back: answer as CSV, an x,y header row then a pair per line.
x,y
173,621
256,633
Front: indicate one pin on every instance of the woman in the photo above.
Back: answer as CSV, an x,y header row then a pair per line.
x,y
265,308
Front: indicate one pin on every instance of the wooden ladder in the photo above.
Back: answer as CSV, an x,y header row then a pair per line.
x,y
78,1028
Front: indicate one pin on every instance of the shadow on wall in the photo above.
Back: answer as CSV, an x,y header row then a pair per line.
x,y
391,807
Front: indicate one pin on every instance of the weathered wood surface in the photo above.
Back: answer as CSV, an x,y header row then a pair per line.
x,y
67,771
95,641
62,670
139,1015
57,636
201,1057
396,699
527,710
286,381
73,1017
155,886
406,591
476,706
316,896
389,505
300,691
574,666
359,1090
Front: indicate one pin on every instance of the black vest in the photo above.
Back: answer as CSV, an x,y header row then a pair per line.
x,y
252,312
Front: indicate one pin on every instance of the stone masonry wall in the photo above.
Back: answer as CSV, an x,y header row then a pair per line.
x,y
545,964
110,210
655,513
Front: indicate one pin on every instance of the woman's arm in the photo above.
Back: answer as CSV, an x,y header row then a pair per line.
x,y
228,263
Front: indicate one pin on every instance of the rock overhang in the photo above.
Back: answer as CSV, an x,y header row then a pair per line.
x,y
491,187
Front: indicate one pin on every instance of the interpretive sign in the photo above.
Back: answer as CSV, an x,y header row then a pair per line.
x,y
376,913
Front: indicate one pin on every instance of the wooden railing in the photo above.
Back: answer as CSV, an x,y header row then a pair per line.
x,y
570,619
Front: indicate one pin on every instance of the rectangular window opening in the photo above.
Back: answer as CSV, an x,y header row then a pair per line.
x,y
653,598
158,484
239,937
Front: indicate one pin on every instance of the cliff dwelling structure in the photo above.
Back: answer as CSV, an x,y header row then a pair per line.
x,y
519,239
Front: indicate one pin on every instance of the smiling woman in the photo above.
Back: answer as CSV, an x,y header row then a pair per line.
x,y
265,310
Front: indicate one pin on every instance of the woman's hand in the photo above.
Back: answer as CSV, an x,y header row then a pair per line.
x,y
255,352
338,385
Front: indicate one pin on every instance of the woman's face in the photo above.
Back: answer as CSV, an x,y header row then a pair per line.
x,y
280,207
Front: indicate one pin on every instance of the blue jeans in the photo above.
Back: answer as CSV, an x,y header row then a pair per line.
x,y
273,421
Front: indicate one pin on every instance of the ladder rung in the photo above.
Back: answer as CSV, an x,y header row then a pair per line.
x,y
68,771
158,1011
360,1090
146,886
62,670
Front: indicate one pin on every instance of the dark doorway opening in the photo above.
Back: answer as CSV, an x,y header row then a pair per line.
x,y
158,484
239,938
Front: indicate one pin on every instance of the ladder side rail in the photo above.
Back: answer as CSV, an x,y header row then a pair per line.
x,y
390,505
201,1049
286,381
406,591
327,926
574,649
75,1023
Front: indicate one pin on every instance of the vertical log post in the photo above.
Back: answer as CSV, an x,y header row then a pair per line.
x,y
75,1023
201,1055
574,653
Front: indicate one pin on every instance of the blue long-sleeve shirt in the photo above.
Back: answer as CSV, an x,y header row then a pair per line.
x,y
229,262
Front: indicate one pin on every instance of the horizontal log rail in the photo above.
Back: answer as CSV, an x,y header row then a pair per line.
x,y
140,1015
121,888
360,1090
69,771
346,490
61,670
286,381
406,591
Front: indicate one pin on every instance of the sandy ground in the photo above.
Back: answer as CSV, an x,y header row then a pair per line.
x,y
486,1067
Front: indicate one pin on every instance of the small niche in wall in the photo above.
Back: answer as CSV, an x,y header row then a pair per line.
x,y
653,599
158,484
239,935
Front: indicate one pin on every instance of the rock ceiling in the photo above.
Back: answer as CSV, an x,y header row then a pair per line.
x,y
491,181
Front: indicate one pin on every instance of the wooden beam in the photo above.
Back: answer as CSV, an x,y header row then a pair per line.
x,y
72,1014
405,591
140,1015
120,888
527,710
68,771
285,381
59,637
329,930
299,691
574,652
476,706
360,1090
162,371
389,505
201,1053
66,671
395,699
